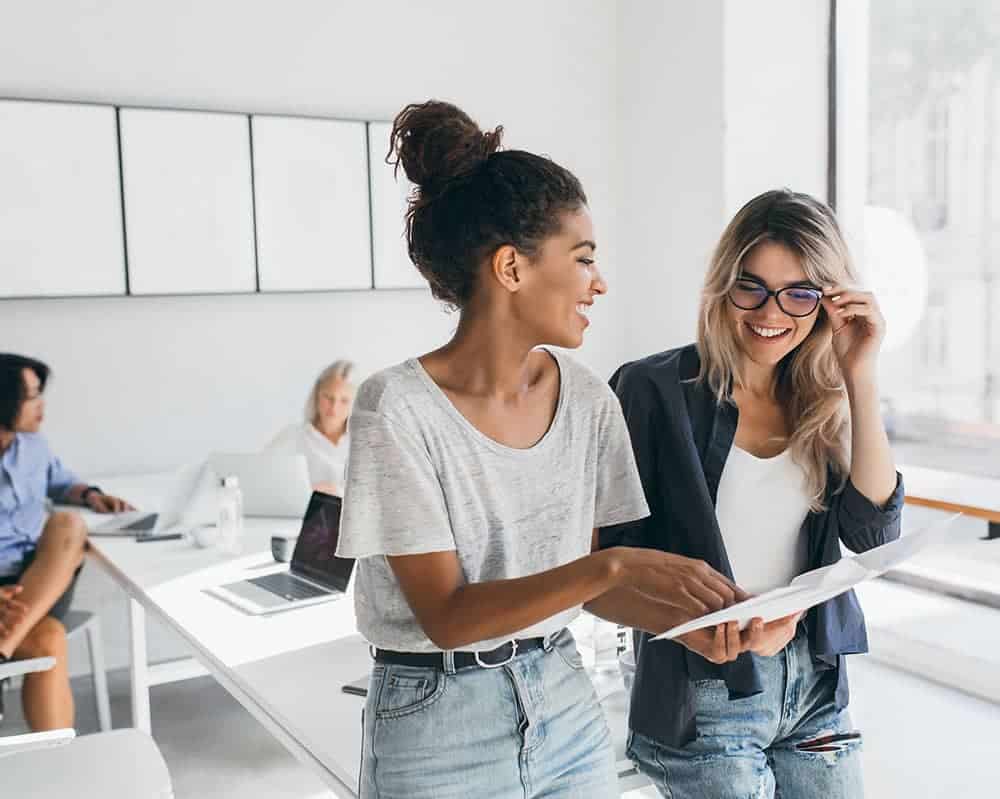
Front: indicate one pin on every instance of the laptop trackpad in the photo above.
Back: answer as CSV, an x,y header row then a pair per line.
x,y
256,594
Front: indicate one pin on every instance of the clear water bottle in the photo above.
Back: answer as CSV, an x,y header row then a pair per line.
x,y
231,516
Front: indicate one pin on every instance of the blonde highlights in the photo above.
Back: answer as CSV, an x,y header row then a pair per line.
x,y
810,386
339,370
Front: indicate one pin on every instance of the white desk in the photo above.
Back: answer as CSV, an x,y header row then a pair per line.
x,y
285,669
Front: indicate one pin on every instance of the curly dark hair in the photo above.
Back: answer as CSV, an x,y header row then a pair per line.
x,y
471,197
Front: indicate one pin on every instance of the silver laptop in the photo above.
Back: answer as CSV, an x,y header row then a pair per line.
x,y
272,484
314,575
187,504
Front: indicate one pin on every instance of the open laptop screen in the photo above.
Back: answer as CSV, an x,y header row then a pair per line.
x,y
314,556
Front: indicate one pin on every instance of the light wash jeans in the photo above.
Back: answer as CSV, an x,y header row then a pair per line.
x,y
532,728
747,747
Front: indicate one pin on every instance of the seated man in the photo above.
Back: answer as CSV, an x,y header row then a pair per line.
x,y
40,553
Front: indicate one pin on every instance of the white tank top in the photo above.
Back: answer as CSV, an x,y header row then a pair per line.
x,y
760,506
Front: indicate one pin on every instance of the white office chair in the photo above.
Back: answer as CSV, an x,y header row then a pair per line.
x,y
81,622
122,764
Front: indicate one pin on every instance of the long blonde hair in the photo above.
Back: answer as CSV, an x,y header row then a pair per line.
x,y
810,385
341,370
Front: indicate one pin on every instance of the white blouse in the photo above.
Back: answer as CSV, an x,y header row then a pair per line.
x,y
761,505
326,461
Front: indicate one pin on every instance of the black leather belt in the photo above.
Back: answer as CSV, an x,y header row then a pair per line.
x,y
490,659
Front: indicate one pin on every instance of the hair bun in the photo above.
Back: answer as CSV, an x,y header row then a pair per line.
x,y
436,142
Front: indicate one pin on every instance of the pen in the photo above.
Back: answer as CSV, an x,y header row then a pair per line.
x,y
818,743
169,537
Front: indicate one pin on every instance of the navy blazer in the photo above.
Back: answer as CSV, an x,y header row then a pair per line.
x,y
682,436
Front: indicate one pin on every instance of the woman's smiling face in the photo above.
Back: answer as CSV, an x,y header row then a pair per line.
x,y
767,334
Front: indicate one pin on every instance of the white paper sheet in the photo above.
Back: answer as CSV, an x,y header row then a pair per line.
x,y
819,585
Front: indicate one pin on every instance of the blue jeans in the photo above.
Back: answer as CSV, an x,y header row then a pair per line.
x,y
532,728
747,747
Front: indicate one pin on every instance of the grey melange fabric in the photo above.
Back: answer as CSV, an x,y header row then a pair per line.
x,y
421,478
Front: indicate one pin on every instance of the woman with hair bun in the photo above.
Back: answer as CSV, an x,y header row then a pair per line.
x,y
478,476
774,455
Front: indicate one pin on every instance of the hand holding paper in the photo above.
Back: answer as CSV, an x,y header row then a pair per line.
x,y
819,585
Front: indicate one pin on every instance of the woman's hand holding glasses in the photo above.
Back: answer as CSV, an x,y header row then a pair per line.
x,y
858,330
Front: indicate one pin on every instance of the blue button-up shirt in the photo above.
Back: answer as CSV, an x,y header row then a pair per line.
x,y
29,473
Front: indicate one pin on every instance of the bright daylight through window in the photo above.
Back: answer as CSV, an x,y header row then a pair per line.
x,y
932,220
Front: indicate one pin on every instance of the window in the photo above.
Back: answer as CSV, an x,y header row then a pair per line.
x,y
931,222
917,189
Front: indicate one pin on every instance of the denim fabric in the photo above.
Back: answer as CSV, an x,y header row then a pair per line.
x,y
747,747
532,728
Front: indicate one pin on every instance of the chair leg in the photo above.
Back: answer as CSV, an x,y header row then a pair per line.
x,y
96,646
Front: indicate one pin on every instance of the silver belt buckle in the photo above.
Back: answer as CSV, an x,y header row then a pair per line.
x,y
513,654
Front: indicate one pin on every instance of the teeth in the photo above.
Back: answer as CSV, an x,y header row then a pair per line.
x,y
581,308
768,332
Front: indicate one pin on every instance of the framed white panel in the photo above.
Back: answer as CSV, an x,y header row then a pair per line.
x,y
393,268
311,194
188,202
60,200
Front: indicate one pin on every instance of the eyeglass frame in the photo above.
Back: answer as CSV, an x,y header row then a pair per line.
x,y
771,293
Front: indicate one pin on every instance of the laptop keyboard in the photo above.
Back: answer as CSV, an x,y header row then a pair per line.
x,y
288,586
141,525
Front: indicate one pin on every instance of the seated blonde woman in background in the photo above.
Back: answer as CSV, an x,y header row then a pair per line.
x,y
323,437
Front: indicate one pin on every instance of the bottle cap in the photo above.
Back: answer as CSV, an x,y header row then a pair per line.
x,y
231,482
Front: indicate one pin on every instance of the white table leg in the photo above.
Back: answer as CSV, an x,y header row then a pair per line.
x,y
139,668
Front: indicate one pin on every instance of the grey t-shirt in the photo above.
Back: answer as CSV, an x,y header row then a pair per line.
x,y
421,478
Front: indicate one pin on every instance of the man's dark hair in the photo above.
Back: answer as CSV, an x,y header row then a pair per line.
x,y
12,388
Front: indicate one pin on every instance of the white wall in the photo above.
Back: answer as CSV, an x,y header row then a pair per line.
x,y
718,101
671,113
776,102
852,121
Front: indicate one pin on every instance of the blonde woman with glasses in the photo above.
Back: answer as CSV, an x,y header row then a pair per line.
x,y
761,450
322,435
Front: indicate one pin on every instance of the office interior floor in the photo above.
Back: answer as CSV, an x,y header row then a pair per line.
x,y
922,740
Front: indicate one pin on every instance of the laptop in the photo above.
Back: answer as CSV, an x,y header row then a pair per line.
x,y
314,575
272,484
189,502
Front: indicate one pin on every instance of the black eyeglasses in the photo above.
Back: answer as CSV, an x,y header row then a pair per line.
x,y
749,295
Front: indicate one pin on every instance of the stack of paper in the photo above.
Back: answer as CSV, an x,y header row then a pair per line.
x,y
819,585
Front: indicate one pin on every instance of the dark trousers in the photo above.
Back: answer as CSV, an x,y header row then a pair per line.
x,y
61,607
